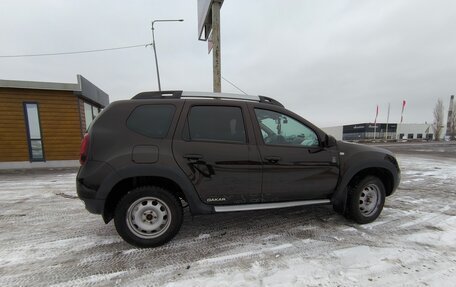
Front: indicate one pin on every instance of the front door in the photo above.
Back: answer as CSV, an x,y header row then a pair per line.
x,y
216,149
296,166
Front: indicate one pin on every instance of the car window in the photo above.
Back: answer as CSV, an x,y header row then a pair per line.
x,y
216,123
151,120
280,129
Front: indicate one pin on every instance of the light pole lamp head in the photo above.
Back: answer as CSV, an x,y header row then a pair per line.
x,y
154,46
166,20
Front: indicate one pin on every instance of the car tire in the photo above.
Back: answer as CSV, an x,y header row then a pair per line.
x,y
365,200
148,216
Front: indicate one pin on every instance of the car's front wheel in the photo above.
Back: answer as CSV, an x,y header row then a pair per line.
x,y
148,216
366,200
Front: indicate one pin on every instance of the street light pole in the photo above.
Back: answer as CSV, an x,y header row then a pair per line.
x,y
155,49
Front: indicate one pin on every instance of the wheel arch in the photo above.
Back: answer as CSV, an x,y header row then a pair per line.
x,y
125,185
118,184
384,172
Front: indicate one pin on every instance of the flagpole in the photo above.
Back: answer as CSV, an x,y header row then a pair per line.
x,y
402,117
387,121
375,123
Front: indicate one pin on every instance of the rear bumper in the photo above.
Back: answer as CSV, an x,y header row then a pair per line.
x,y
87,195
94,206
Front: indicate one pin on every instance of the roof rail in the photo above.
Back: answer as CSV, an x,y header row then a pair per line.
x,y
158,95
269,100
204,95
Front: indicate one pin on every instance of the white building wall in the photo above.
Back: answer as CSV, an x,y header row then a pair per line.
x,y
334,131
415,130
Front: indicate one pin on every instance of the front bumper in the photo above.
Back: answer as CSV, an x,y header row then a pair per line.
x,y
397,181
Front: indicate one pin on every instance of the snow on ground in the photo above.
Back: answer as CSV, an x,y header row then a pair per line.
x,y
48,239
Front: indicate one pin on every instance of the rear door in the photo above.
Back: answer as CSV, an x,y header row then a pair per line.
x,y
296,166
215,146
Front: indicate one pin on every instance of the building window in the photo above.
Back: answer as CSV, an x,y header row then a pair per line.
x,y
95,111
419,136
401,136
34,138
356,136
90,113
409,136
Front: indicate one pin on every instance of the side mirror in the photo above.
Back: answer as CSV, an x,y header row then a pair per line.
x,y
330,141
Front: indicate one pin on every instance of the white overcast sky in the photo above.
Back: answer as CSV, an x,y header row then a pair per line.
x,y
330,61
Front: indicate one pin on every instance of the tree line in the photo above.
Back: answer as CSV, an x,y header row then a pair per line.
x,y
439,115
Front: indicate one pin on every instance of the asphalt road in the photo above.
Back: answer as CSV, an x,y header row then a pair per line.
x,y
48,239
431,149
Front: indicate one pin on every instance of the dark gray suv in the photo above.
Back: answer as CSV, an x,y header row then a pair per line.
x,y
143,158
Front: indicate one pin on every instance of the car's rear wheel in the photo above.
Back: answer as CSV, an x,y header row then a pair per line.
x,y
366,200
148,216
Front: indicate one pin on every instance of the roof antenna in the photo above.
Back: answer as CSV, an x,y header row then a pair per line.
x,y
234,85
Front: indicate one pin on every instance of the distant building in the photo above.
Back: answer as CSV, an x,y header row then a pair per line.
x,y
42,123
367,132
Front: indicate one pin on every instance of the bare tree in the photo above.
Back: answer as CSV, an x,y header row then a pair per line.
x,y
438,120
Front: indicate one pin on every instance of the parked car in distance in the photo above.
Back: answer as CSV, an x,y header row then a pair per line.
x,y
143,158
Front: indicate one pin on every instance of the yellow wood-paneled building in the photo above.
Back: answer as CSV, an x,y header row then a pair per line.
x,y
42,123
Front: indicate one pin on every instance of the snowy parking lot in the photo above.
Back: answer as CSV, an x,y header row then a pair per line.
x,y
48,238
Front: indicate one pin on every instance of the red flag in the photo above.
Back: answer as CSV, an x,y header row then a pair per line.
x,y
402,112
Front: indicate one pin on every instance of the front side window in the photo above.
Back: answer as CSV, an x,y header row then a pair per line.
x,y
35,140
216,123
279,129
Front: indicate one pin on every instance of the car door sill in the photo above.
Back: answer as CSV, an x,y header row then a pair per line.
x,y
258,206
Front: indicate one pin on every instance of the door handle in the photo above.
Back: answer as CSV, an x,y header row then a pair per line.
x,y
193,157
272,159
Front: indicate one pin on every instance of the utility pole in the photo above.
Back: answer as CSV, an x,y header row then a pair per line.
x,y
216,57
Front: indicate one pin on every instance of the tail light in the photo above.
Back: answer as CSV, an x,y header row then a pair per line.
x,y
84,149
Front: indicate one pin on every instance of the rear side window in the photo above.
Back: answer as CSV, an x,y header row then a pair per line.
x,y
151,120
216,123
